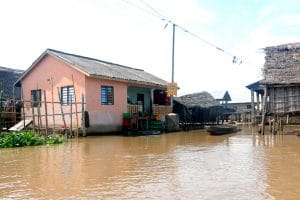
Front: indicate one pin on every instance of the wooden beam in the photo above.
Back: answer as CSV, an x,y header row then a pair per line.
x,y
264,109
252,106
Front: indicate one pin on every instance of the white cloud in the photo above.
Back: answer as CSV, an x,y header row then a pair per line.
x,y
267,11
115,31
291,20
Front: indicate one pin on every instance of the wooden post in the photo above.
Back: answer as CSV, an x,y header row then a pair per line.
x,y
14,106
257,103
252,107
270,124
83,117
52,102
258,106
33,116
61,109
76,114
280,125
273,128
264,109
23,108
39,108
46,113
71,113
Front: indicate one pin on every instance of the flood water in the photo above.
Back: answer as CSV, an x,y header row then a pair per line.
x,y
182,165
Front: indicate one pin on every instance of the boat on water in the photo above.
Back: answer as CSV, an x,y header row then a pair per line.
x,y
223,129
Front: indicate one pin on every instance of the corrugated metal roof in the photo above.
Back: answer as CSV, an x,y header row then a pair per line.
x,y
95,67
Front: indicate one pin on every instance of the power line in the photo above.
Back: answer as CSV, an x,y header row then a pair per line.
x,y
142,9
156,13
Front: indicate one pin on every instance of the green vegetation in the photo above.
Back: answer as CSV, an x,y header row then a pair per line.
x,y
28,138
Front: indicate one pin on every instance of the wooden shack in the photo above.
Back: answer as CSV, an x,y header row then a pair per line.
x,y
198,108
281,81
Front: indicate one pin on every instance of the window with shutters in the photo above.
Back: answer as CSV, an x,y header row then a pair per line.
x,y
36,97
67,95
107,95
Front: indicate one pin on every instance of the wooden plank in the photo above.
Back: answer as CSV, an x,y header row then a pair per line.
x,y
264,111
20,126
71,114
52,103
61,109
83,117
46,112
75,106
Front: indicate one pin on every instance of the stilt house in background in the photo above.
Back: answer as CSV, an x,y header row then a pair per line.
x,y
281,80
226,109
197,108
257,89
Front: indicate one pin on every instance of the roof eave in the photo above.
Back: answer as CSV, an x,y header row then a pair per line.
x,y
18,82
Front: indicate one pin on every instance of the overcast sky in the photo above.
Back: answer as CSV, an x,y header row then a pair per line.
x,y
128,32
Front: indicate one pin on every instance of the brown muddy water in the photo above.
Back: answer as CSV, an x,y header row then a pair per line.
x,y
182,165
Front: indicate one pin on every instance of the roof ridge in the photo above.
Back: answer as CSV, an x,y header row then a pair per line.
x,y
89,58
12,69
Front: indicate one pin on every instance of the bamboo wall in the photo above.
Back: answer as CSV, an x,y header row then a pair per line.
x,y
284,99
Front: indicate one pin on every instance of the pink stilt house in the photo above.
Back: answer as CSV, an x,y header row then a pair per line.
x,y
109,91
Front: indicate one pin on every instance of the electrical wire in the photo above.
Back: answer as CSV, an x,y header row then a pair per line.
x,y
154,12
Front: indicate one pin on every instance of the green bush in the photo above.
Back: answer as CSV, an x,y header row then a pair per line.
x,y
20,139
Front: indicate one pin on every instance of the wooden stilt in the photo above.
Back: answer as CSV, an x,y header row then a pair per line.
x,y
62,110
52,103
23,107
46,112
71,114
39,108
82,117
264,111
14,106
33,115
76,114
252,107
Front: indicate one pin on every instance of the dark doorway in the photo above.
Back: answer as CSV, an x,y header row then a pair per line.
x,y
141,99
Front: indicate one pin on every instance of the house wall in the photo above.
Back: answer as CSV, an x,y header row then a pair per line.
x,y
105,118
61,74
102,118
284,99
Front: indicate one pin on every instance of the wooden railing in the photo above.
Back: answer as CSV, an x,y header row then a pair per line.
x,y
134,108
161,110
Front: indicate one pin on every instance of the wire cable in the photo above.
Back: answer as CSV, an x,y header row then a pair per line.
x,y
156,13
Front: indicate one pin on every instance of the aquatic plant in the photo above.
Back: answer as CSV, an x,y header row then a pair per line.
x,y
28,138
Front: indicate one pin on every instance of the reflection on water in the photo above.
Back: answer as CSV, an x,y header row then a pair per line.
x,y
182,165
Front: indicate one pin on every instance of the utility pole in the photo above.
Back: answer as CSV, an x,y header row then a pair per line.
x,y
173,48
173,45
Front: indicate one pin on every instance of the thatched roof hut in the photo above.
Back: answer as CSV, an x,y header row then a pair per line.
x,y
282,78
201,99
197,108
282,64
